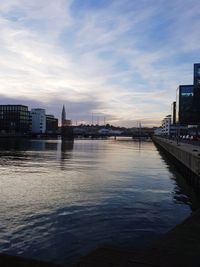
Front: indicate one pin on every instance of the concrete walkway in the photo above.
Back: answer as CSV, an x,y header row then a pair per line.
x,y
186,154
191,147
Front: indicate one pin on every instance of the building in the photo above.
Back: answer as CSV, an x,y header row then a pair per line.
x,y
63,116
51,124
196,100
14,119
170,129
38,120
173,113
185,112
197,75
158,131
188,101
68,123
166,123
104,131
64,121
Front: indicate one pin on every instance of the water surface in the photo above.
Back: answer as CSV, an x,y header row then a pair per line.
x,y
60,200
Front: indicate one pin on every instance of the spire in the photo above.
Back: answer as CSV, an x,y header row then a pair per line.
x,y
63,115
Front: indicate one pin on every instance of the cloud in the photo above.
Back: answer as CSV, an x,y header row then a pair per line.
x,y
119,59
78,112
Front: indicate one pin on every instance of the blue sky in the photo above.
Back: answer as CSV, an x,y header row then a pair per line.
x,y
118,59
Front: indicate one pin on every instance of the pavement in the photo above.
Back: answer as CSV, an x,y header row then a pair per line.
x,y
189,146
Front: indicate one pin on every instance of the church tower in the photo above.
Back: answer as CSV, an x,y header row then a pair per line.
x,y
63,116
67,132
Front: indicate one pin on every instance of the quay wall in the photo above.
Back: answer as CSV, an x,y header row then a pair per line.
x,y
186,154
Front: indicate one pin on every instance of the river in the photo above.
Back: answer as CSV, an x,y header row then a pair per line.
x,y
61,200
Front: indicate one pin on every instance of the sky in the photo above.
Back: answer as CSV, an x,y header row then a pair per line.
x,y
120,60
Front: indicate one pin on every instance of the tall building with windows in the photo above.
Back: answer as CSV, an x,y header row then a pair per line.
x,y
188,101
166,123
196,102
185,112
185,105
38,120
51,124
14,119
173,113
197,75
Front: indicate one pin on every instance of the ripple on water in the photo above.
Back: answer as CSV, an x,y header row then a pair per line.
x,y
59,202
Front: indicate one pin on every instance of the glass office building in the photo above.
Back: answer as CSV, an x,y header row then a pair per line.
x,y
51,124
173,113
14,119
188,101
196,102
185,99
197,75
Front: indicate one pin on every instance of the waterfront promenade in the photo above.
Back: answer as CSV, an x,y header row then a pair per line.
x,y
186,154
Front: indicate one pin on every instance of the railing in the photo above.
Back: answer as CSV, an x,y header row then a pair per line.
x,y
180,140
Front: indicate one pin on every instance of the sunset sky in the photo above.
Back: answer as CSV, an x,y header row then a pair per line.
x,y
118,59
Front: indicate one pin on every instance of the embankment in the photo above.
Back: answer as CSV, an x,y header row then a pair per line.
x,y
186,156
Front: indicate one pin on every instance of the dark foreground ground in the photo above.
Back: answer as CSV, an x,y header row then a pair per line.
x,y
179,247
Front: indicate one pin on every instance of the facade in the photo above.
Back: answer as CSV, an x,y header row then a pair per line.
x,y
170,129
173,113
67,123
197,75
38,120
185,108
188,101
158,131
166,123
185,112
14,119
51,124
196,102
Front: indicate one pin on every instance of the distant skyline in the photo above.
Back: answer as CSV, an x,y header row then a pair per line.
x,y
118,59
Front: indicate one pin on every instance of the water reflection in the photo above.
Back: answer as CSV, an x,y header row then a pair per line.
x,y
183,192
63,198
13,149
14,144
66,148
